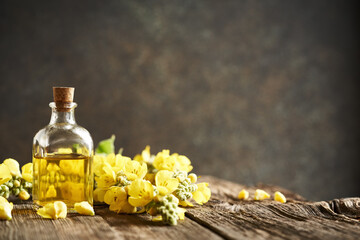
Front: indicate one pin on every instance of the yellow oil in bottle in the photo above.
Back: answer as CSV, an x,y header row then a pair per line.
x,y
62,177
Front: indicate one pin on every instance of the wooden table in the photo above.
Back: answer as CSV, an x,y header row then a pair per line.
x,y
223,217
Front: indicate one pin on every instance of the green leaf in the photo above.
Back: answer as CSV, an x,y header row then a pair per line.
x,y
106,146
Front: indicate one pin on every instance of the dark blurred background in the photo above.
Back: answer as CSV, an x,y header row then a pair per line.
x,y
250,91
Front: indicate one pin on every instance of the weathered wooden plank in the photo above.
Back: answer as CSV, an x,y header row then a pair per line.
x,y
236,219
26,224
272,220
223,217
140,226
228,191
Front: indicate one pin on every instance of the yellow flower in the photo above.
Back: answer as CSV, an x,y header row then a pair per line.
x,y
13,166
261,195
84,208
24,195
141,193
120,162
145,155
99,194
165,182
5,209
5,174
116,197
98,161
53,210
134,170
51,192
27,172
163,161
115,162
107,179
202,194
182,162
110,159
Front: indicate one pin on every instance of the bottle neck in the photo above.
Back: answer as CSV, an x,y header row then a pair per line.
x,y
62,115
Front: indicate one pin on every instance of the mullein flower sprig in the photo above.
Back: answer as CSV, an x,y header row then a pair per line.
x,y
13,182
155,184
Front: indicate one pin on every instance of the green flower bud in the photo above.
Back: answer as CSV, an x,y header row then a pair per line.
x,y
16,191
17,183
9,184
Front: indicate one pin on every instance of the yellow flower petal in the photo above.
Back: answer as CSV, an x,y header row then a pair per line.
x,y
13,166
186,203
43,213
120,162
84,208
261,195
181,213
53,210
163,161
5,209
279,197
165,182
145,155
141,193
27,172
184,164
110,159
202,194
135,170
106,180
99,194
243,194
157,218
60,209
127,208
98,161
115,195
5,174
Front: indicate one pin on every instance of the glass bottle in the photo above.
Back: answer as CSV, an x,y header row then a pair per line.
x,y
62,156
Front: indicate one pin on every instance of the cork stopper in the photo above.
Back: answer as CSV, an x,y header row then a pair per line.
x,y
63,98
63,94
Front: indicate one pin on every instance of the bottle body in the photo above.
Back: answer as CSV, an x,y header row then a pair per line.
x,y
62,161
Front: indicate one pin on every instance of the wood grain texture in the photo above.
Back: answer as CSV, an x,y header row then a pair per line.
x,y
238,219
141,227
26,224
223,217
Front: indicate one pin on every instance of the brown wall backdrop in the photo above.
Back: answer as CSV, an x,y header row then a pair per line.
x,y
251,91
